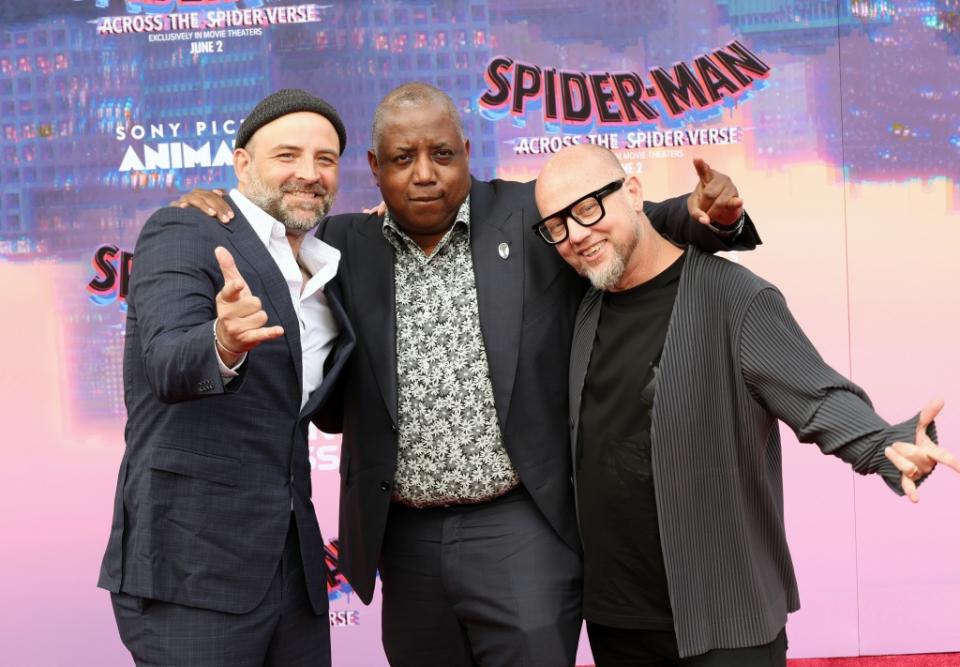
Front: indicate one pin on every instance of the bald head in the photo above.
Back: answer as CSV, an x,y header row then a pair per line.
x,y
573,172
588,157
411,96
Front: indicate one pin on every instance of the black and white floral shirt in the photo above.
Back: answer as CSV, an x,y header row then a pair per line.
x,y
450,447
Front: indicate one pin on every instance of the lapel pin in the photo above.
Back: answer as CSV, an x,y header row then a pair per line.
x,y
504,250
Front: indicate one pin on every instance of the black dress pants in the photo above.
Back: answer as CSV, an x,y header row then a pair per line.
x,y
619,647
489,584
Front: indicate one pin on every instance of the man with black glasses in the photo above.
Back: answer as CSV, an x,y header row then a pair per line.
x,y
681,364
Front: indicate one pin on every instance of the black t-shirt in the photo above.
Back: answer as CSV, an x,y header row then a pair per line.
x,y
625,584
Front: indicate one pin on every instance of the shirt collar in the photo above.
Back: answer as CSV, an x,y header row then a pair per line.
x,y
319,258
393,232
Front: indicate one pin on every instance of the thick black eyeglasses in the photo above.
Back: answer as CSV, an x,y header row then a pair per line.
x,y
588,210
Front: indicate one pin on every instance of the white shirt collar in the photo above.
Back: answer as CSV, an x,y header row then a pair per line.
x,y
319,258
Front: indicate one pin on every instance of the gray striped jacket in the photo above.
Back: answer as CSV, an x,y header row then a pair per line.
x,y
734,362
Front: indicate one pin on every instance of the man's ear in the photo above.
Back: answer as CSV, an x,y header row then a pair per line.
x,y
241,164
466,146
634,190
374,165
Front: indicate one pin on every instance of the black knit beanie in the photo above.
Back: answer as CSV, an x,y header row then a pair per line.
x,y
283,102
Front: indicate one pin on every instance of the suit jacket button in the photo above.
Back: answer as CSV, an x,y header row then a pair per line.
x,y
384,486
393,427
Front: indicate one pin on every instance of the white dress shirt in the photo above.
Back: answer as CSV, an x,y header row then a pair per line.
x,y
318,328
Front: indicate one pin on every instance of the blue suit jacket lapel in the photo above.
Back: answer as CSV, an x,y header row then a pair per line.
x,y
499,286
248,245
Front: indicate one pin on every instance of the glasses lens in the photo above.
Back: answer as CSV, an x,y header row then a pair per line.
x,y
553,229
588,211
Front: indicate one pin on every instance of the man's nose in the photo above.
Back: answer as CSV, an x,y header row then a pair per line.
x,y
575,231
307,169
423,170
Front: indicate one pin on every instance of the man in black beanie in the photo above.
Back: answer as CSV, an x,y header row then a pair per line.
x,y
234,341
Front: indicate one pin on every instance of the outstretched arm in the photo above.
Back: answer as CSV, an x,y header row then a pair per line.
x,y
789,378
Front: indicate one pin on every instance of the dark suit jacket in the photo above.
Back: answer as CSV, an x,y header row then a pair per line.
x,y
203,499
527,306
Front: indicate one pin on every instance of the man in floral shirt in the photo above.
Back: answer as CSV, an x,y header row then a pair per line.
x,y
455,470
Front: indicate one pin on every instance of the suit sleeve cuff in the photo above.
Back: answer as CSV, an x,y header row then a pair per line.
x,y
226,372
729,231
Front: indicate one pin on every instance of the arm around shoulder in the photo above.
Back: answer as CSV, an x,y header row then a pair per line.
x,y
672,219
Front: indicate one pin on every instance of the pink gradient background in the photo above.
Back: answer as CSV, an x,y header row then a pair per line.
x,y
876,295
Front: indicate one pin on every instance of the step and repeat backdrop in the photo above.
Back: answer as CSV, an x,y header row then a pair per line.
x,y
838,121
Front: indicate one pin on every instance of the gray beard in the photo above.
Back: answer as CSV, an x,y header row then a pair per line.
x,y
273,205
606,277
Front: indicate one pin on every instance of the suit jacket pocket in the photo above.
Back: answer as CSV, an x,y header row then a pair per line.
x,y
210,467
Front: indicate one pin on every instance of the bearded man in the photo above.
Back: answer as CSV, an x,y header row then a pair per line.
x,y
233,344
681,365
